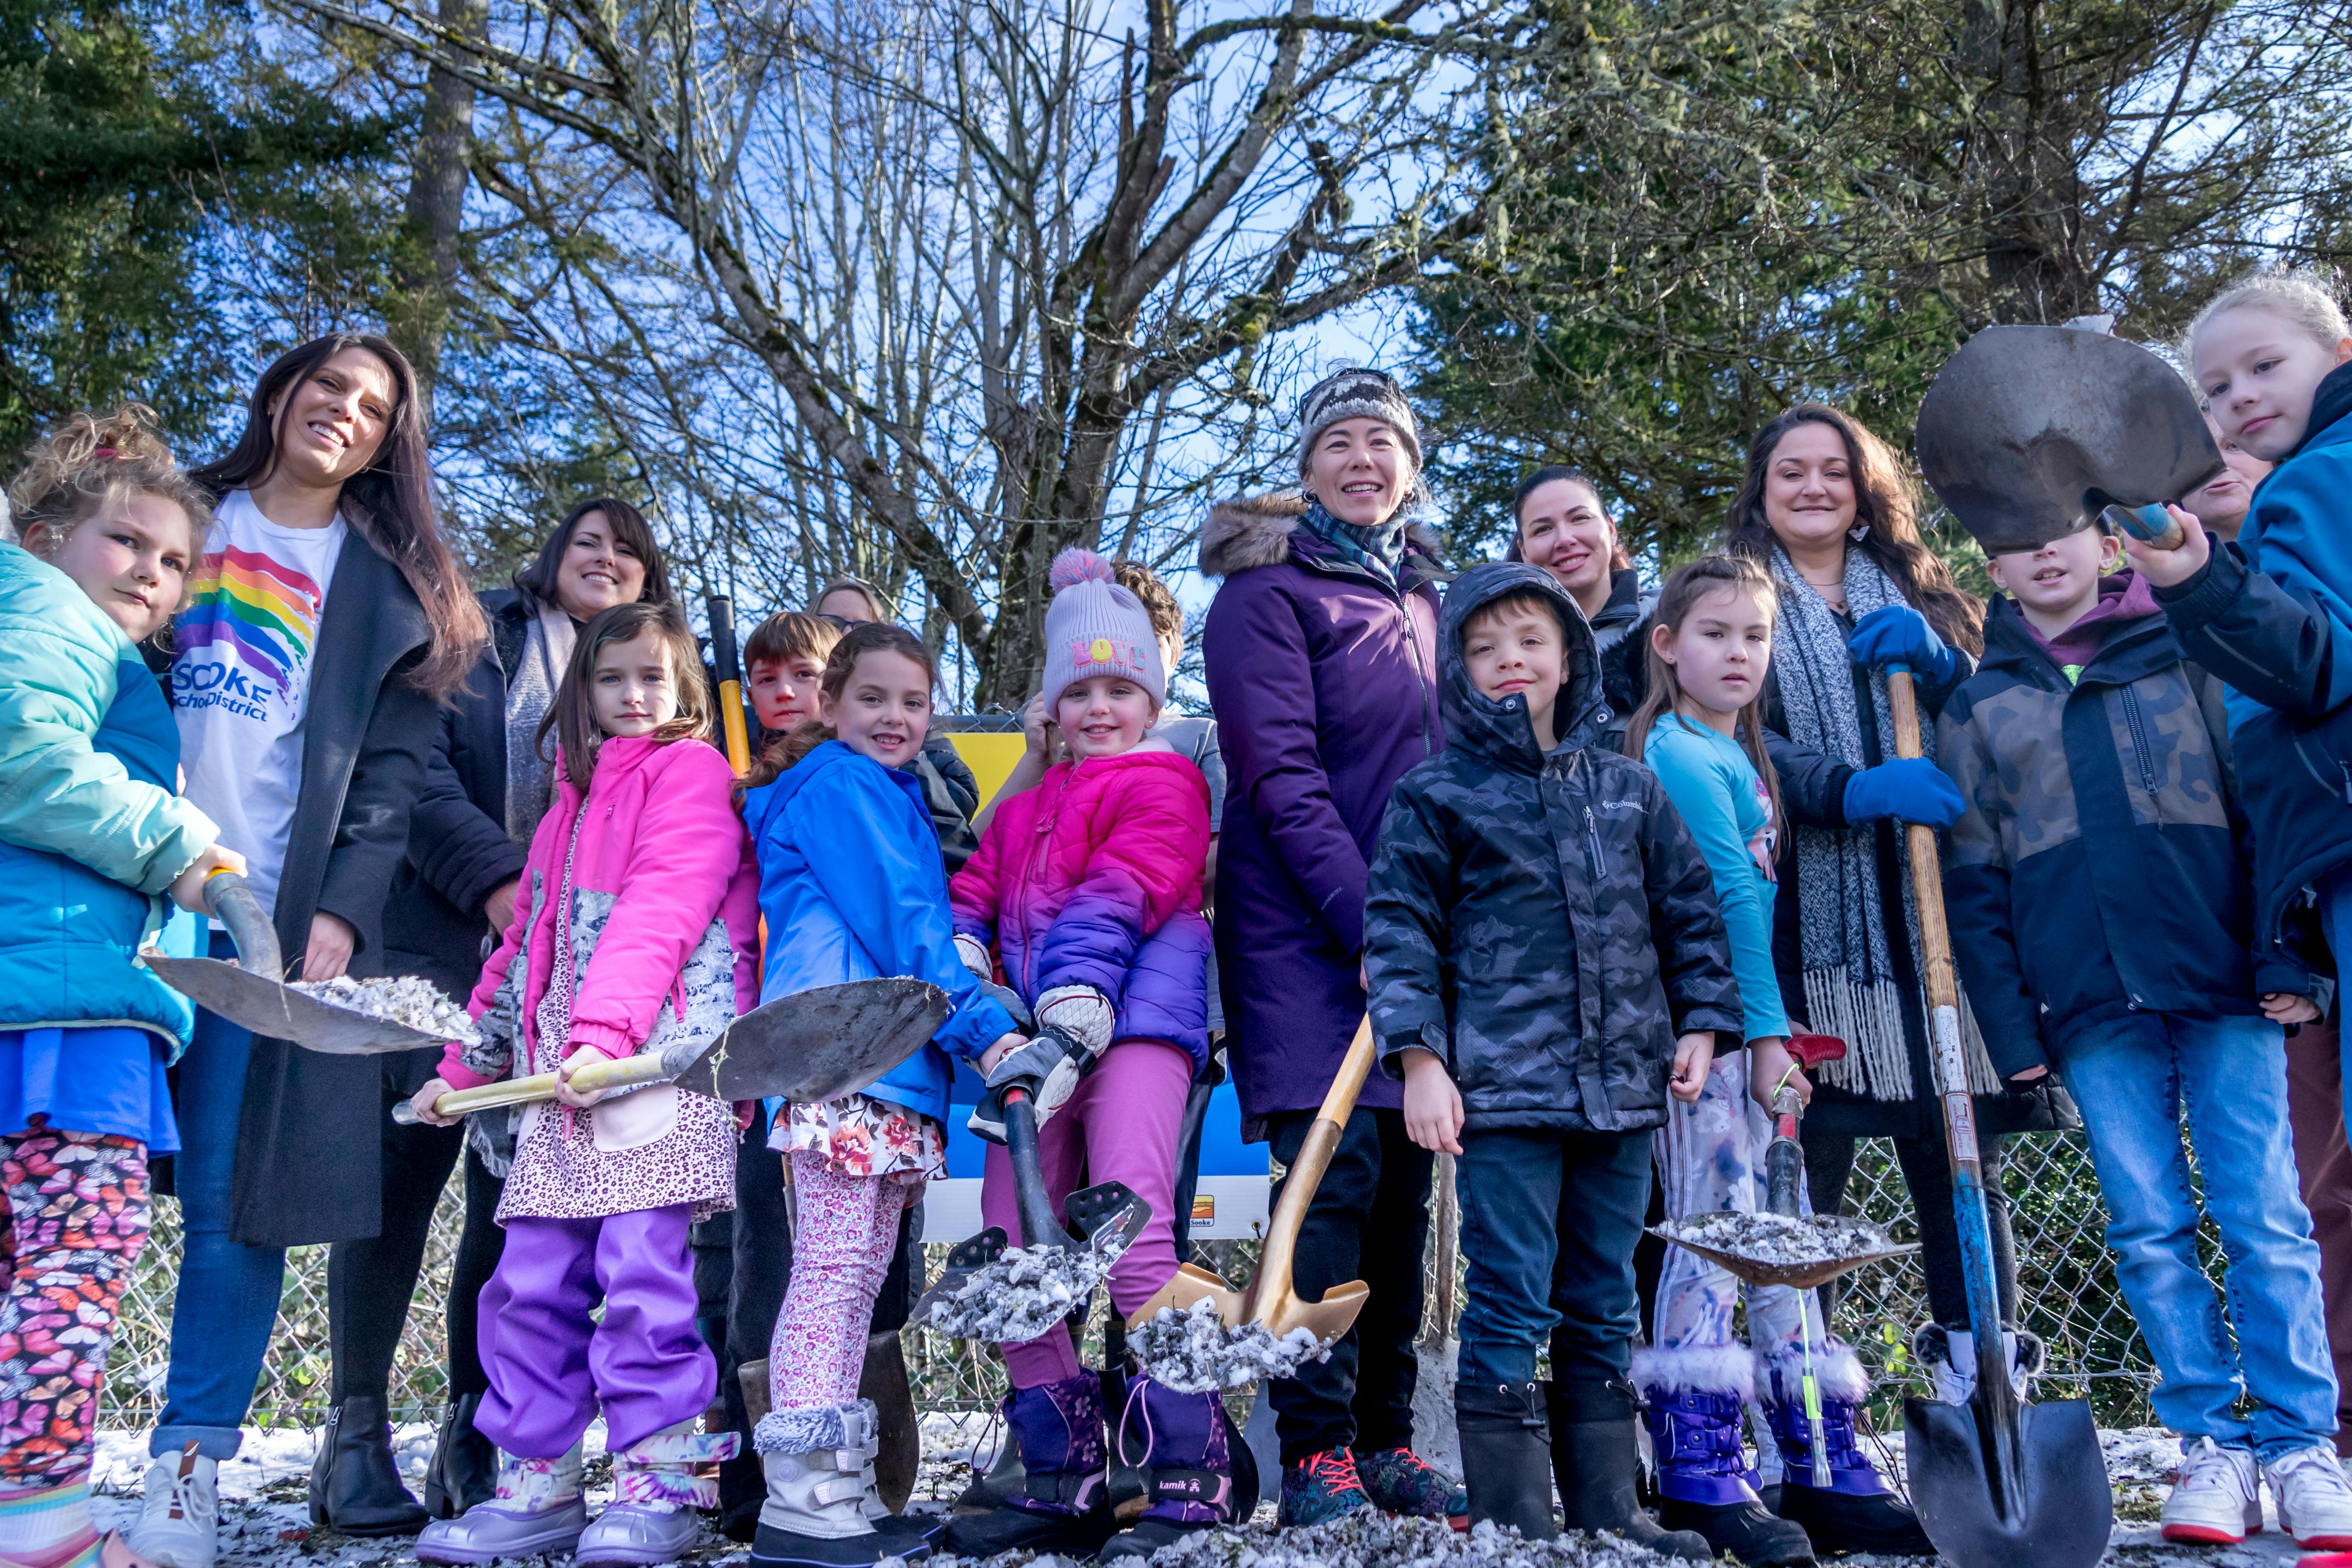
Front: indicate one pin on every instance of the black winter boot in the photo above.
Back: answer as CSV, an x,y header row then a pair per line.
x,y
1507,1456
1596,1457
1064,1506
354,1486
465,1467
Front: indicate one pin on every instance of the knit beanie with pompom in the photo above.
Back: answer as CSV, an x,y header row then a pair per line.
x,y
1094,626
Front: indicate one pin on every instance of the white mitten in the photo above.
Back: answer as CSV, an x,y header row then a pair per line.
x,y
1080,1012
975,955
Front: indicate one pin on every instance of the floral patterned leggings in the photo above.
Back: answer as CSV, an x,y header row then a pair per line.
x,y
848,1227
78,1213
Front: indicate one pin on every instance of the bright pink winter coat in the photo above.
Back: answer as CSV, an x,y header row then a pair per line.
x,y
662,846
1094,878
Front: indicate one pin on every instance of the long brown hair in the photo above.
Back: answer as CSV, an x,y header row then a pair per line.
x,y
864,637
1683,590
536,582
390,501
1884,506
572,714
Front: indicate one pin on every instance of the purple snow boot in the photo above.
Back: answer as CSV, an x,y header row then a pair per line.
x,y
1696,1399
1857,1512
1184,1445
1063,1507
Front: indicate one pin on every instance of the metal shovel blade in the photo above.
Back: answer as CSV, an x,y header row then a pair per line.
x,y
274,1012
1193,1283
965,1258
819,1045
1796,1276
1109,1214
899,1456
2059,1512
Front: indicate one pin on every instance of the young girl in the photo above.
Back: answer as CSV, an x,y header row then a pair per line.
x,y
1699,732
1088,889
852,887
634,934
92,833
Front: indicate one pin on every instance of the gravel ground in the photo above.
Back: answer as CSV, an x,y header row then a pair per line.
x,y
265,1523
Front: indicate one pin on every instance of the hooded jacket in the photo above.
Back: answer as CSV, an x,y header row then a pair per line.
x,y
851,888
1542,921
2271,615
92,826
1094,878
2100,867
1324,680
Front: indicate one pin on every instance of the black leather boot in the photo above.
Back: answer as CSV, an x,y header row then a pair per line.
x,y
354,1486
1596,1456
465,1467
1507,1456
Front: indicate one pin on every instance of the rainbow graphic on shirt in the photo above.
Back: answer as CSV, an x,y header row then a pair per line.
x,y
265,613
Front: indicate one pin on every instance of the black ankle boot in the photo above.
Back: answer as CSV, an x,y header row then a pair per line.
x,y
1596,1456
354,1486
1507,1456
465,1467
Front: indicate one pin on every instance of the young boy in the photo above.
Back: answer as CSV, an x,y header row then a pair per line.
x,y
2101,911
782,664
1546,962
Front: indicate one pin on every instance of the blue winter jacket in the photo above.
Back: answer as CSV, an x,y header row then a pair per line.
x,y
92,826
2271,615
851,888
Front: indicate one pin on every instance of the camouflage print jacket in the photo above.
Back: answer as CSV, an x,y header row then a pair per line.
x,y
2102,865
1542,921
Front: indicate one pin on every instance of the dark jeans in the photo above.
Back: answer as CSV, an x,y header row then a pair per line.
x,y
371,1283
1369,1221
2323,1158
1548,1223
1927,1171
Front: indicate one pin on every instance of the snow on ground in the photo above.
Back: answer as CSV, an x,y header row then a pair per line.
x,y
266,1522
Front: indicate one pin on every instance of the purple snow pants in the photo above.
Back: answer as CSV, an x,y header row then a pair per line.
x,y
551,1368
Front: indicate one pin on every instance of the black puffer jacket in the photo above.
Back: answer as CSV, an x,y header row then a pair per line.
x,y
1544,922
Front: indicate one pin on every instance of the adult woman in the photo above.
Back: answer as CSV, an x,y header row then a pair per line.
x,y
1320,650
325,619
485,787
1563,527
849,600
1824,506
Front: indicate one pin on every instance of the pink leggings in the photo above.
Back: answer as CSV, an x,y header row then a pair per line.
x,y
1122,1125
848,1227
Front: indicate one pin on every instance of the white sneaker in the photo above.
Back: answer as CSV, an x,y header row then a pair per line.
x,y
180,1518
2315,1503
2217,1500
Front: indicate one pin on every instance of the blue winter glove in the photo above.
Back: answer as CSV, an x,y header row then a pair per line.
x,y
1911,789
1901,634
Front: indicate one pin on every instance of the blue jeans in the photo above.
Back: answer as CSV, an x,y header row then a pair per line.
x,y
227,1300
2335,892
1549,1224
2132,1078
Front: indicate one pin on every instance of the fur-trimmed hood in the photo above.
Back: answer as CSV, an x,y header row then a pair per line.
x,y
1255,531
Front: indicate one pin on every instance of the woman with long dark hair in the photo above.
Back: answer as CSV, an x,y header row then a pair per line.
x,y
1825,505
325,621
487,781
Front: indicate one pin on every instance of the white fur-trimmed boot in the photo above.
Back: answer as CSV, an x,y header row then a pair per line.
x,y
1950,1357
822,1509
1844,1504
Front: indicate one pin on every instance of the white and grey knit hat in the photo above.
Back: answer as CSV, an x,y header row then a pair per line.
x,y
1357,392
1094,626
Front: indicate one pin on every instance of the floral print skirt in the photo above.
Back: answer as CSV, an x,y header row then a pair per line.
x,y
858,1135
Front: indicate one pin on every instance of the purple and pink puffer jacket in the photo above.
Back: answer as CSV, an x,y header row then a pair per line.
x,y
1094,878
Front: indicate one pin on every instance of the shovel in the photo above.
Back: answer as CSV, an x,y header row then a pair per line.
x,y
1997,1483
1270,1299
250,993
810,1045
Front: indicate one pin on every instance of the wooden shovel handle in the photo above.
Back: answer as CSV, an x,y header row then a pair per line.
x,y
1306,1171
647,1067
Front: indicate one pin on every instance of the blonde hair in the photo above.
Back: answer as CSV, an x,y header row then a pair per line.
x,y
2301,296
1741,574
91,463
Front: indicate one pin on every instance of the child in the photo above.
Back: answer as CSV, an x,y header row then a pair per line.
x,y
2101,921
783,663
1540,931
851,888
1087,887
634,934
1700,731
93,832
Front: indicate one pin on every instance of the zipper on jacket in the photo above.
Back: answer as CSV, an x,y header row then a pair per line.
x,y
1403,596
1593,844
2140,754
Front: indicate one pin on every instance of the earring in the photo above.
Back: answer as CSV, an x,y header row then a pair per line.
x,y
1858,534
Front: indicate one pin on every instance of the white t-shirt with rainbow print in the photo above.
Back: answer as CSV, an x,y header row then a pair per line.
x,y
241,676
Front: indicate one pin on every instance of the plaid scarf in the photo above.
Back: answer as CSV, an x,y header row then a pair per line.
x,y
1379,549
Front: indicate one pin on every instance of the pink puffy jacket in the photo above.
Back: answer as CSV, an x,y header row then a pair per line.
x,y
662,841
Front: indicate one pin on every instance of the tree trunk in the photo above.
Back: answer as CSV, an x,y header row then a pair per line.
x,y
434,216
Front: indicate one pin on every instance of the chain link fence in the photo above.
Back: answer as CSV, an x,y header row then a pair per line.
x,y
2067,1286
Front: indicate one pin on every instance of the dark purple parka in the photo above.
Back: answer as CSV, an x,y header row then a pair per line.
x,y
1324,681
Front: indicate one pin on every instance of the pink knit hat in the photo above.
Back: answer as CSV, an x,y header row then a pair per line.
x,y
1094,626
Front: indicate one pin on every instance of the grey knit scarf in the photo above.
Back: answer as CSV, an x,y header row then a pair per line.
x,y
530,776
1851,990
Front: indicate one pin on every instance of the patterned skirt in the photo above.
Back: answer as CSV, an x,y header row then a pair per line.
x,y
858,1135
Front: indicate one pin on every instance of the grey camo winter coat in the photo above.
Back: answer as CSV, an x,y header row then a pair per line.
x,y
1541,921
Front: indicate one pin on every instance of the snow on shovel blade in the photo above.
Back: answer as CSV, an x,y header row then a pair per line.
x,y
2064,1511
1009,1294
1191,1350
1772,1250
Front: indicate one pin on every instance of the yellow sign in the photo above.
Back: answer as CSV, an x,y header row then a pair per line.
x,y
991,756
